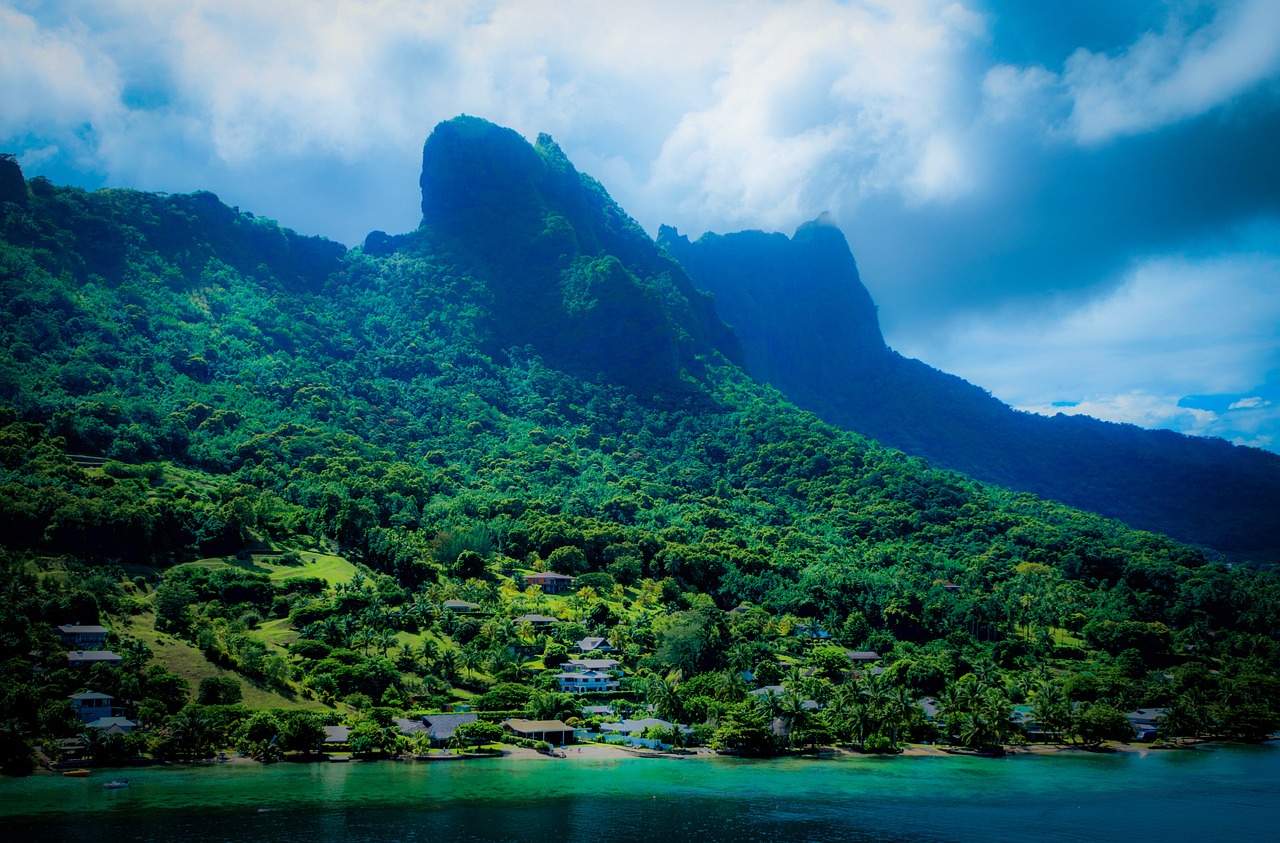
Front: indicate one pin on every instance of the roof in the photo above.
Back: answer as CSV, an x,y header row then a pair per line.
x,y
110,722
597,709
90,695
408,727
593,664
336,734
536,619
776,690
442,726
92,656
549,575
460,604
862,655
92,630
527,726
589,643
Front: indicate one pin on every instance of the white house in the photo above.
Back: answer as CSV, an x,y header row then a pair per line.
x,y
586,681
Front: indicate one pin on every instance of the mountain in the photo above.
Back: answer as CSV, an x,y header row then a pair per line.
x,y
273,466
808,326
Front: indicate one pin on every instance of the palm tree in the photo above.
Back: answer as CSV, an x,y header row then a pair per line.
x,y
469,659
795,715
384,640
661,694
1049,706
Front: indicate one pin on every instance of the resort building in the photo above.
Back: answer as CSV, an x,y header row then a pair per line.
x,y
552,731
84,637
586,682
551,583
90,705
589,644
81,658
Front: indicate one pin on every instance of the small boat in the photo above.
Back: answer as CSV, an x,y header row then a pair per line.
x,y
117,784
76,774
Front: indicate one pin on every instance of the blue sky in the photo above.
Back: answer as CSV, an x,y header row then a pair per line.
x,y
1076,206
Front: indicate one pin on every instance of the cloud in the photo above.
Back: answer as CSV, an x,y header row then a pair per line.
x,y
1177,73
1175,326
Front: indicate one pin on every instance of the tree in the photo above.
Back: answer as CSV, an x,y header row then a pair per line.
x,y
478,732
742,730
1095,723
219,690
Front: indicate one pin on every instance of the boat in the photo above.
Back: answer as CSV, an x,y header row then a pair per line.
x,y
115,785
76,774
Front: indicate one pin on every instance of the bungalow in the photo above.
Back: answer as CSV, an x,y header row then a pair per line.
x,y
586,681
408,727
551,731
536,620
113,725
442,726
551,583
84,637
588,645
581,665
80,658
597,711
1146,722
90,705
862,656
460,607
336,735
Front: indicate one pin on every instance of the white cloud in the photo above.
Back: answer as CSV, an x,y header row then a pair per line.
x,y
1174,326
1180,72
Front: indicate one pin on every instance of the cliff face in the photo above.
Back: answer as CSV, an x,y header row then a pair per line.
x,y
567,271
809,327
798,304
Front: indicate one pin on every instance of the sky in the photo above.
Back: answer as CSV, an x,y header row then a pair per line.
x,y
1073,205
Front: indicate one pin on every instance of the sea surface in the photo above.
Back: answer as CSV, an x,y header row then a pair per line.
x,y
1221,793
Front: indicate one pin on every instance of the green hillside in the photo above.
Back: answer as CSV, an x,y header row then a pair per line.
x,y
290,456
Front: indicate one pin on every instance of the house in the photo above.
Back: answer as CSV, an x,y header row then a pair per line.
x,y
80,658
408,727
336,735
588,645
593,664
551,583
947,586
90,705
442,726
1146,722
586,681
636,727
536,620
929,706
862,656
84,637
551,731
460,607
113,725
597,711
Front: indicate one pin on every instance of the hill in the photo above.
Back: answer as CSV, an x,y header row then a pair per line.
x,y
208,419
808,327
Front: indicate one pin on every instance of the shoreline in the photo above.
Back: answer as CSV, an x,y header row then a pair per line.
x,y
592,751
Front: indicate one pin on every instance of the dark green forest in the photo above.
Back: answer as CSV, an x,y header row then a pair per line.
x,y
809,327
281,457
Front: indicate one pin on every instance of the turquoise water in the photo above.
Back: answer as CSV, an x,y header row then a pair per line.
x,y
1223,793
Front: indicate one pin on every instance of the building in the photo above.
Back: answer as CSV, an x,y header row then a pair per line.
x,y
442,726
1146,722
586,682
113,725
589,644
84,637
552,731
862,656
90,705
81,658
461,607
593,664
551,583
536,620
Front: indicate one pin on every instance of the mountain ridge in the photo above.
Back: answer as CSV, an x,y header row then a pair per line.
x,y
1204,491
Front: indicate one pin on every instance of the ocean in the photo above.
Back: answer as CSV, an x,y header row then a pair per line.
x,y
1211,793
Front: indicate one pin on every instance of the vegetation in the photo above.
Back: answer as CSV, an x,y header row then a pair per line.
x,y
284,461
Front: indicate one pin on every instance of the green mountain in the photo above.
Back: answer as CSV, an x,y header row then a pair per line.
x,y
809,327
300,477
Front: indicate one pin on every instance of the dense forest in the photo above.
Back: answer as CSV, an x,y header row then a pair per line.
x,y
809,327
302,485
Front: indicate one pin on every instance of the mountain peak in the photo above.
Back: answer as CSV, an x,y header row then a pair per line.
x,y
563,263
